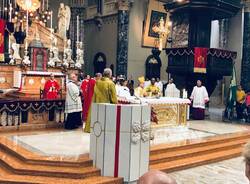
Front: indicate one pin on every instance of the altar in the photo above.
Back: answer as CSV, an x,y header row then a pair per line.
x,y
169,112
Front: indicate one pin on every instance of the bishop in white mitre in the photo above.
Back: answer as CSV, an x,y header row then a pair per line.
x,y
199,98
171,90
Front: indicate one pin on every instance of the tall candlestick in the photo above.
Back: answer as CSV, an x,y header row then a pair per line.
x,y
47,4
51,20
77,29
10,18
27,29
65,21
43,5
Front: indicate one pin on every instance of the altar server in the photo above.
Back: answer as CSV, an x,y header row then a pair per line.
x,y
199,98
73,104
123,91
51,88
104,92
153,90
159,84
171,90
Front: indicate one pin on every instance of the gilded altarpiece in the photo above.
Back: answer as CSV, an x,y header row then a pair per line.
x,y
170,115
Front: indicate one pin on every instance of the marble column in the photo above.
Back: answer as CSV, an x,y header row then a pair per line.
x,y
223,33
245,67
122,40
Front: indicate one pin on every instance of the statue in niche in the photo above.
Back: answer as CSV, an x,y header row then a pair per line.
x,y
153,65
64,15
99,62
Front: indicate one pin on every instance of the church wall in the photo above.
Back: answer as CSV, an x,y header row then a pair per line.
x,y
137,55
103,40
235,42
214,42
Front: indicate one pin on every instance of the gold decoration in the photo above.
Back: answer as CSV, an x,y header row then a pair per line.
x,y
1,39
170,115
29,5
163,30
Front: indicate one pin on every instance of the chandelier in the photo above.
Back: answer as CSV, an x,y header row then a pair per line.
x,y
37,10
29,5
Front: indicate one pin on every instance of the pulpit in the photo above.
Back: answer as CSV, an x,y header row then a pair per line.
x,y
193,19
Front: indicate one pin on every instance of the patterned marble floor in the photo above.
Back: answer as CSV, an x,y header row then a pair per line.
x,y
226,172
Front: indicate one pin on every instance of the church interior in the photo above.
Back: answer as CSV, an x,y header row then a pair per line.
x,y
125,91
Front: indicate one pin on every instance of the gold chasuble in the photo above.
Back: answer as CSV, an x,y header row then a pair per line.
x,y
153,90
104,92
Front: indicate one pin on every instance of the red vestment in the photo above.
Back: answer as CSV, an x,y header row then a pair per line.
x,y
87,88
51,89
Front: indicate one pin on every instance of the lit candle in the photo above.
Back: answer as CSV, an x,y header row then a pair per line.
x,y
51,20
65,21
77,29
43,5
47,4
27,29
10,18
26,45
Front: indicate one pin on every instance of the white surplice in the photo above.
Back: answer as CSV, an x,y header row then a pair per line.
x,y
123,91
172,91
160,86
199,97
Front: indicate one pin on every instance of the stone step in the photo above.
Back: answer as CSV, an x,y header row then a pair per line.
x,y
197,160
191,144
8,178
22,168
189,153
27,156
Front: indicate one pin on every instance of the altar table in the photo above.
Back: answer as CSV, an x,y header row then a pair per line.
x,y
169,111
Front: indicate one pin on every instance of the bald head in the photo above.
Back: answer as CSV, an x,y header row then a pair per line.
x,y
156,177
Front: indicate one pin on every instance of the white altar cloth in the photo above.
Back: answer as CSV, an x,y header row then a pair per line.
x,y
165,100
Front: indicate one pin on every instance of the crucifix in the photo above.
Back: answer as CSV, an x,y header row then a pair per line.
x,y
162,30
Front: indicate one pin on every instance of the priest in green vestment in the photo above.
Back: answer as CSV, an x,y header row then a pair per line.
x,y
104,92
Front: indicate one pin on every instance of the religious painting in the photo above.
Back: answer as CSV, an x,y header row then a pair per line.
x,y
39,59
155,12
180,30
154,21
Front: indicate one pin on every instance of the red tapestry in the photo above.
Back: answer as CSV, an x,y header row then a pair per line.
x,y
2,30
200,60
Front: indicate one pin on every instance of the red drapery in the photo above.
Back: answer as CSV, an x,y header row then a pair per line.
x,y
2,30
200,60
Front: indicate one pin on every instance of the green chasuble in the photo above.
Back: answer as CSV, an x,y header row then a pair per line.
x,y
104,92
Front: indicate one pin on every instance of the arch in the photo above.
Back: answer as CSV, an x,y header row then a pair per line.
x,y
100,62
153,67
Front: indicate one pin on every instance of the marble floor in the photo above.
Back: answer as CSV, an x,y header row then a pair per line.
x,y
225,172
63,143
75,143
